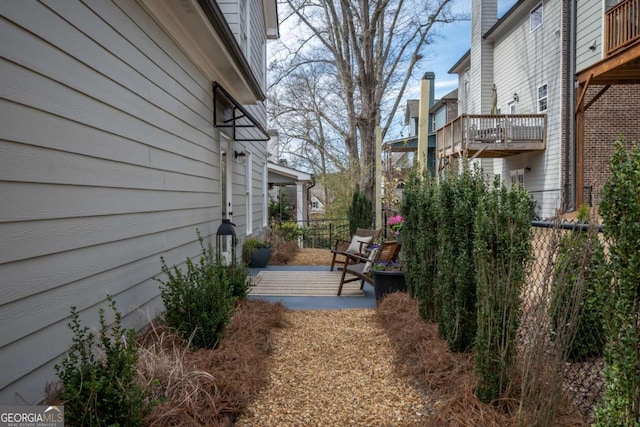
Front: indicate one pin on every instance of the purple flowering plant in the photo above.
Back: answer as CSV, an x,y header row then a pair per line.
x,y
387,266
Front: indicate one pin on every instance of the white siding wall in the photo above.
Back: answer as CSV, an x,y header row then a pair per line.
x,y
525,60
108,160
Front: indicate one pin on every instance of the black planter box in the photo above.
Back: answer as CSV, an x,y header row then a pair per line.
x,y
260,258
386,282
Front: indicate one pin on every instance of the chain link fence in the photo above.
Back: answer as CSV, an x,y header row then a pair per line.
x,y
561,337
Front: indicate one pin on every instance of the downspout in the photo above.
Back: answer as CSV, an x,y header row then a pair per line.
x,y
569,119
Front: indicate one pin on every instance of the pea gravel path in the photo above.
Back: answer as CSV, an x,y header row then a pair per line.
x,y
334,368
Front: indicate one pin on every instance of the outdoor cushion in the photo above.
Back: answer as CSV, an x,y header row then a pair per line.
x,y
357,242
369,263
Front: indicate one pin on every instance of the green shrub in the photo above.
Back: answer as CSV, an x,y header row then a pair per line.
x,y
502,250
98,378
360,212
620,209
250,245
419,208
280,210
456,284
581,262
198,304
281,232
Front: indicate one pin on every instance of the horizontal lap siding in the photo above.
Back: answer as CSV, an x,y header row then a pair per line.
x,y
108,161
588,31
525,60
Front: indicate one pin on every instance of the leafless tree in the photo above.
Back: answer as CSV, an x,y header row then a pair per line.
x,y
340,72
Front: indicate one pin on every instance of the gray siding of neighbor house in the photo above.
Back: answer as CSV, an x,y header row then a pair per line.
x,y
528,60
108,161
588,31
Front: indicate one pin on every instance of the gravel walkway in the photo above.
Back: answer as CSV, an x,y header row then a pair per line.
x,y
334,368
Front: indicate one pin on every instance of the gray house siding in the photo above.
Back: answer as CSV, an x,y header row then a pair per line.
x,y
588,32
108,161
529,59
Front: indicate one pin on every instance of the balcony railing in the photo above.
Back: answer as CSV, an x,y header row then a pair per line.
x,y
622,26
492,135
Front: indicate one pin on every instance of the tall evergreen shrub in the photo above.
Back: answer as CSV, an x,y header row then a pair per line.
x,y
502,248
459,197
419,209
409,211
360,212
620,209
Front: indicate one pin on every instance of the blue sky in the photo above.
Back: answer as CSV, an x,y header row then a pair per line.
x,y
454,41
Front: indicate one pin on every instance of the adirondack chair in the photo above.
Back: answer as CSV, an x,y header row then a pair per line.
x,y
357,246
360,266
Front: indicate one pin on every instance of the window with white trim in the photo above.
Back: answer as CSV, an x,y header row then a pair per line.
x,y
265,195
542,98
517,178
536,17
249,191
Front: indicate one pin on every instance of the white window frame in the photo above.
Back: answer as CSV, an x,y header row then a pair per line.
x,y
542,98
265,195
466,79
511,107
517,177
248,176
226,185
536,17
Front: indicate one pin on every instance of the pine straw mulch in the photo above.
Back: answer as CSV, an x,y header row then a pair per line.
x,y
277,367
210,387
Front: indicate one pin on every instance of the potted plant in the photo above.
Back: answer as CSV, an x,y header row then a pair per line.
x,y
388,277
256,252
395,223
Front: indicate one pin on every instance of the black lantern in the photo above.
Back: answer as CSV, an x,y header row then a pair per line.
x,y
226,243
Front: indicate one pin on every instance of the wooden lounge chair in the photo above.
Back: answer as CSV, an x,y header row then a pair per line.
x,y
360,266
357,246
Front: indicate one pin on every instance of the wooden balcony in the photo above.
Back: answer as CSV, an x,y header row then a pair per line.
x,y
489,136
622,26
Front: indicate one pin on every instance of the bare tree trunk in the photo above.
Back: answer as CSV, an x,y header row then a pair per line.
x,y
369,49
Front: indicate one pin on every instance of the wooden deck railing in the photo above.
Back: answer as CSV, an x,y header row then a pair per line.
x,y
492,135
622,26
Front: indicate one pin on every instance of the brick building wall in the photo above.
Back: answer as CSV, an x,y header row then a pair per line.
x,y
614,114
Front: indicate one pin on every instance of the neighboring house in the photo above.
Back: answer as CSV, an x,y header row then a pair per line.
x,y
444,110
608,95
516,98
125,127
421,143
317,201
296,184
